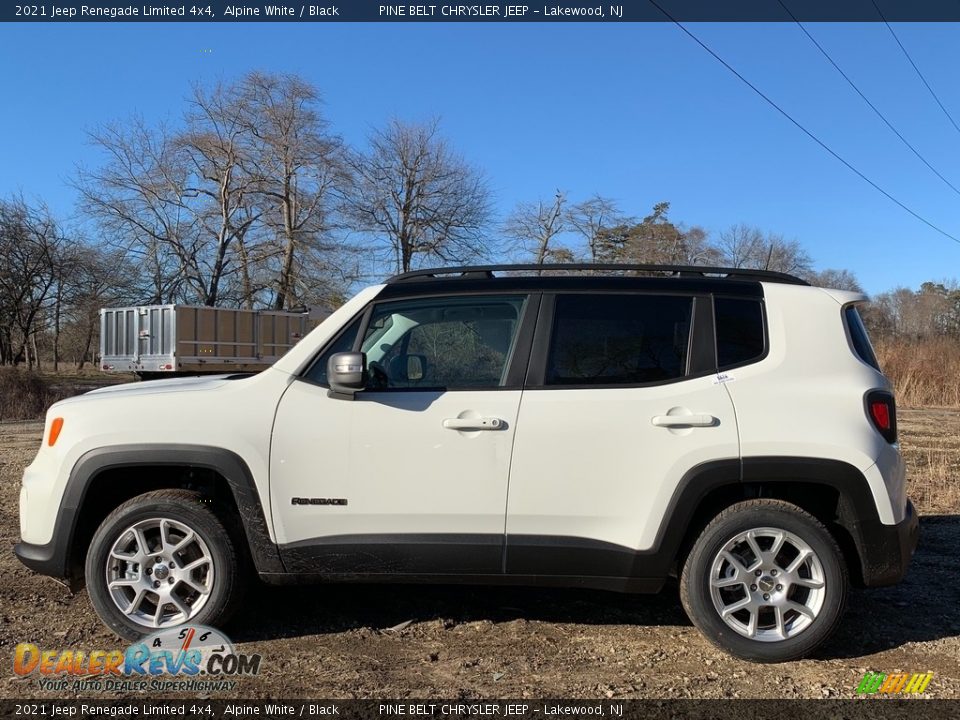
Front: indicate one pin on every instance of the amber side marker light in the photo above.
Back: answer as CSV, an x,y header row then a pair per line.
x,y
55,427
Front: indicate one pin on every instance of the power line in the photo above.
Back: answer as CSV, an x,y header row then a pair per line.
x,y
804,130
919,74
867,101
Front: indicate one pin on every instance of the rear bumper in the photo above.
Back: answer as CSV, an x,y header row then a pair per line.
x,y
886,550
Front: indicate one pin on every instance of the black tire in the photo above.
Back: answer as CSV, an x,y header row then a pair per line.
x,y
181,506
697,596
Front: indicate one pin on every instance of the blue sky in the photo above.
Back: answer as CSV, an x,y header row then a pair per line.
x,y
637,112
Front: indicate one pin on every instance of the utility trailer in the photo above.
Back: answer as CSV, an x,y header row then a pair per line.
x,y
164,340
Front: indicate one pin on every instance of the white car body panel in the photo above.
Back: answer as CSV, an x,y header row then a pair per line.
x,y
391,457
232,414
557,489
806,398
236,415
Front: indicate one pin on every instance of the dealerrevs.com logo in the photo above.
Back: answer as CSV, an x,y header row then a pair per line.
x,y
187,657
894,683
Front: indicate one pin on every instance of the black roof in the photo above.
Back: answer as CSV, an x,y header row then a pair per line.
x,y
572,278
595,270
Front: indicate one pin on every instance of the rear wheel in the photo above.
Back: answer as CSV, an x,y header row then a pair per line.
x,y
765,581
160,560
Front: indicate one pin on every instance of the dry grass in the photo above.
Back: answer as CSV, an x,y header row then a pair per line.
x,y
925,373
930,441
26,395
934,482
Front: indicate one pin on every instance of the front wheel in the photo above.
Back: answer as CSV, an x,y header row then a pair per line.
x,y
160,560
765,581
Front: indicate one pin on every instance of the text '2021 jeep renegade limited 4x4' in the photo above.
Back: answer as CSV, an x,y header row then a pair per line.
x,y
579,425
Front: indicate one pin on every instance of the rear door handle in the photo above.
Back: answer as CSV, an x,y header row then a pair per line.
x,y
684,420
480,423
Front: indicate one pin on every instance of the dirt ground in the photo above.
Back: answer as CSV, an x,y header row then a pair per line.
x,y
336,641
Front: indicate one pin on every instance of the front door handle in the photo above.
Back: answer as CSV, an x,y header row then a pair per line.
x,y
684,420
480,423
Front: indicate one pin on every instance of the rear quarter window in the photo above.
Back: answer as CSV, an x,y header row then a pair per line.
x,y
740,334
859,337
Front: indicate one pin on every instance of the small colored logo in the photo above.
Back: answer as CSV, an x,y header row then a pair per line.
x,y
894,683
185,652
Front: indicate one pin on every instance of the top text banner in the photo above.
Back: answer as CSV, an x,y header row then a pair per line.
x,y
558,11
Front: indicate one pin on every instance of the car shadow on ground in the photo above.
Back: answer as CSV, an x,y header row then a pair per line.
x,y
921,608
293,611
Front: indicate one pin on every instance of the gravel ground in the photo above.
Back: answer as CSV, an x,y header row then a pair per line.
x,y
336,641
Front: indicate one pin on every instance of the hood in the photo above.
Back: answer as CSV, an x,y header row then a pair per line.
x,y
152,387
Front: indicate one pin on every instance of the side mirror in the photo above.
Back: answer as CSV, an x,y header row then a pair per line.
x,y
347,373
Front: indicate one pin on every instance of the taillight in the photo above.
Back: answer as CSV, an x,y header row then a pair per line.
x,y
882,411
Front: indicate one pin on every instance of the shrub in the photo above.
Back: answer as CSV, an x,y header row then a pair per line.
x,y
25,395
924,373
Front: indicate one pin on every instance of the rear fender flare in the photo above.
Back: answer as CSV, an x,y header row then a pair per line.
x,y
856,511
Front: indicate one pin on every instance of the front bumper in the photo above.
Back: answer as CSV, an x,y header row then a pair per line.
x,y
47,518
886,550
49,559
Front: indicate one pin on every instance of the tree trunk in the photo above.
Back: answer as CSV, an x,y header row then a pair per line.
x,y
288,255
86,346
245,274
56,326
406,251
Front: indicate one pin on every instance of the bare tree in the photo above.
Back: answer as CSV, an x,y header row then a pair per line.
x,y
30,244
88,288
299,169
237,205
747,247
535,226
424,199
214,149
739,245
784,255
592,217
139,196
65,263
836,279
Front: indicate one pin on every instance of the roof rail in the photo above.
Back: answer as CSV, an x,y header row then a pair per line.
x,y
487,271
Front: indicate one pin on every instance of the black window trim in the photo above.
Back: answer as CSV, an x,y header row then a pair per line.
x,y
516,364
701,348
849,335
527,364
304,373
766,332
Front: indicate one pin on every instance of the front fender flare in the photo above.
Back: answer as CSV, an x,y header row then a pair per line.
x,y
54,557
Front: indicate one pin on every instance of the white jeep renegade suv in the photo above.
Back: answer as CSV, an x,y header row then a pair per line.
x,y
591,426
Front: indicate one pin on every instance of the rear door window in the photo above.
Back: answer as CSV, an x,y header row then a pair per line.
x,y
615,339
